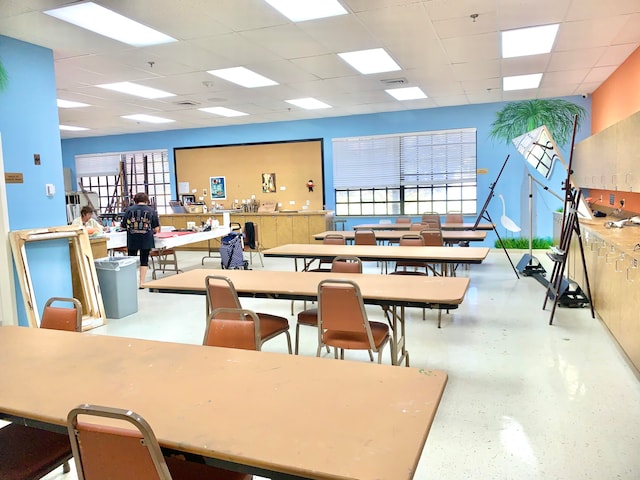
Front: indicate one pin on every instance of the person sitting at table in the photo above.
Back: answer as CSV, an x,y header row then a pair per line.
x,y
141,221
87,221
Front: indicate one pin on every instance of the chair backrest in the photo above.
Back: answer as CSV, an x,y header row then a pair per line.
x,y
340,308
432,238
454,217
233,328
431,218
416,226
411,240
62,318
220,293
403,220
346,265
334,239
103,451
251,235
365,237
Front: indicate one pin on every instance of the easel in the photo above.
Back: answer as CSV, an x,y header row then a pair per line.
x,y
558,288
484,215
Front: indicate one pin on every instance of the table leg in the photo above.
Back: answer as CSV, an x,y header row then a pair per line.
x,y
396,318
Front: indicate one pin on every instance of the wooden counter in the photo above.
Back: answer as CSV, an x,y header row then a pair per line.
x,y
275,229
614,275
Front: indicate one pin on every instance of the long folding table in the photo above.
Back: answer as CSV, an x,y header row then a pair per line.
x,y
378,253
407,226
448,236
392,292
285,417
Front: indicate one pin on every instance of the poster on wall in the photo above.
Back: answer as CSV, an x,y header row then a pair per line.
x,y
268,182
218,188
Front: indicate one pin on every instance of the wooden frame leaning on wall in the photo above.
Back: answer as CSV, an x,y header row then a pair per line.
x,y
93,314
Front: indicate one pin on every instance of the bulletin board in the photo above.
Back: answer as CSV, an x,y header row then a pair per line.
x,y
272,172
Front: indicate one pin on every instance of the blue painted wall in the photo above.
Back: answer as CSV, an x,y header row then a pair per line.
x,y
29,125
491,155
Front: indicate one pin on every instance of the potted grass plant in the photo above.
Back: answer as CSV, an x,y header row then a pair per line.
x,y
518,118
4,78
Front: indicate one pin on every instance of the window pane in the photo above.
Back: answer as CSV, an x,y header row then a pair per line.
x,y
454,193
380,209
367,196
354,196
380,196
354,209
424,207
367,209
424,194
410,195
411,208
468,207
440,207
342,196
342,209
393,195
439,193
394,209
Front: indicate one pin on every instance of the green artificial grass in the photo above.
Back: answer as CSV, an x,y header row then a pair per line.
x,y
523,243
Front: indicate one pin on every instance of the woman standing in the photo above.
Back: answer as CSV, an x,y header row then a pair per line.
x,y
142,222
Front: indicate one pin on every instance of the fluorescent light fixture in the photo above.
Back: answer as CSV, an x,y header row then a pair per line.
x,y
528,41
137,90
308,103
225,112
141,117
298,11
106,22
521,82
243,77
406,93
70,128
70,104
375,60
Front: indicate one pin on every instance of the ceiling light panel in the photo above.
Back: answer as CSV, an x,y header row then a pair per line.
x,y
243,77
106,22
521,82
308,103
223,111
141,117
136,90
70,104
528,41
407,93
299,11
376,60
71,128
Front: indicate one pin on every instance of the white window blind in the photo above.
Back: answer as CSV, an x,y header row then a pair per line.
x,y
425,158
96,165
366,162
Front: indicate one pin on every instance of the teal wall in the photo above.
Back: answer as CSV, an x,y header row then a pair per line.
x,y
491,155
29,124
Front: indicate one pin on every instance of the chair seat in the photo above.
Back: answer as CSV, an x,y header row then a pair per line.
x,y
357,340
308,317
28,452
271,325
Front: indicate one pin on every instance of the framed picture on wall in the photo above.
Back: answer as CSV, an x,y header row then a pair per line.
x,y
218,188
268,182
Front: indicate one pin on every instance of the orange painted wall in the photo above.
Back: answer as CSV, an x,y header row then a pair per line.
x,y
619,96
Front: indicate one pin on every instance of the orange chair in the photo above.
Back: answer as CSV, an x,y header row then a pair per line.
x,y
403,220
433,238
454,217
410,267
233,328
222,294
28,452
252,239
330,239
343,322
104,451
62,318
432,218
309,317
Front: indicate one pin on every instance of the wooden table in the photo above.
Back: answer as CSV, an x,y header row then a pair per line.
x,y
407,226
275,415
392,292
448,236
378,253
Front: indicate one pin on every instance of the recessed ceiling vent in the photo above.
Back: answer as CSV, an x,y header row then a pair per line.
x,y
395,82
187,103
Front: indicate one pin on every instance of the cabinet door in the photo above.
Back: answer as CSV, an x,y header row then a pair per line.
x,y
284,229
300,228
317,224
628,154
268,234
